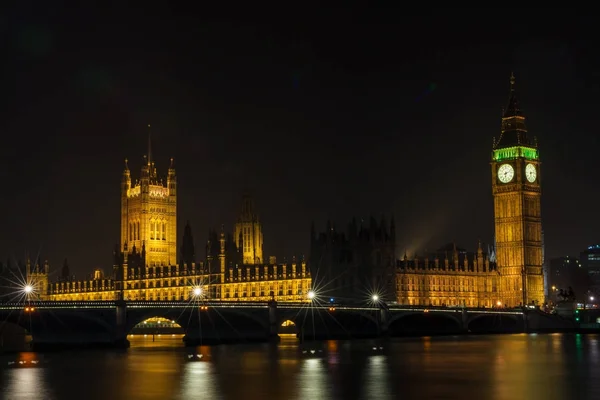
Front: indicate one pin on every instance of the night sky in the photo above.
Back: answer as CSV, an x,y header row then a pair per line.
x,y
322,115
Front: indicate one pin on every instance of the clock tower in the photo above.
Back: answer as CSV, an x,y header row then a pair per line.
x,y
516,187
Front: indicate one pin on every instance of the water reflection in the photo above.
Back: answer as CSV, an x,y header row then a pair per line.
x,y
25,383
199,381
506,367
312,382
377,379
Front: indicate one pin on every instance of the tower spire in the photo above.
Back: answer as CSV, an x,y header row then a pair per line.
x,y
513,109
514,131
149,148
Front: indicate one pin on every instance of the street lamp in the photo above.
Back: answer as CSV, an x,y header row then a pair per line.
x,y
311,294
28,289
375,298
197,292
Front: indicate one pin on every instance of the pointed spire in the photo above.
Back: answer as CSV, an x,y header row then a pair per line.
x,y
513,108
514,131
149,147
126,164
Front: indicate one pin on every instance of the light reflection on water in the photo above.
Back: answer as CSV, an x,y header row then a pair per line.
x,y
487,367
198,380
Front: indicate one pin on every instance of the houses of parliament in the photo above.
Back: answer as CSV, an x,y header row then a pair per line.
x,y
148,265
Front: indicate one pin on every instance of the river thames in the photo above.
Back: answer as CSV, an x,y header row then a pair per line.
x,y
501,367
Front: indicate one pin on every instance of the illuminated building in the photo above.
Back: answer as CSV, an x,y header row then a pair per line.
x,y
349,266
448,277
149,214
145,265
248,234
516,277
517,194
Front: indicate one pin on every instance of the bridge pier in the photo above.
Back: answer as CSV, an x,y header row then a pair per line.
x,y
382,322
464,318
273,333
120,340
525,320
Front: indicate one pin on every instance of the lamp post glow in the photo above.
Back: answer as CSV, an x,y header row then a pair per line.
x,y
311,294
28,289
375,298
197,292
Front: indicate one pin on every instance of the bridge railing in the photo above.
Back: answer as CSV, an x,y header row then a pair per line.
x,y
103,304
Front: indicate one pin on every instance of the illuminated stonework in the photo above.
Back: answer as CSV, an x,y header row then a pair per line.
x,y
449,277
516,276
145,266
248,233
285,282
517,211
149,214
511,153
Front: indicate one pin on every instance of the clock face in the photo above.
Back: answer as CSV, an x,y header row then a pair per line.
x,y
530,173
506,173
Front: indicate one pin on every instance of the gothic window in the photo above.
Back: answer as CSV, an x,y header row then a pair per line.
x,y
137,230
164,231
152,228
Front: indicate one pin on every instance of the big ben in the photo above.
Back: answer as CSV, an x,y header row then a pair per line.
x,y
516,187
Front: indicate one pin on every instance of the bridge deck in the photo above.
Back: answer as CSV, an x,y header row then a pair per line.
x,y
48,305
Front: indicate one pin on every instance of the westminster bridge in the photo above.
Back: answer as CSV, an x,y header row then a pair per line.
x,y
107,323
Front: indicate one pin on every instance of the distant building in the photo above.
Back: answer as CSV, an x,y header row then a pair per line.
x,y
560,271
357,263
590,261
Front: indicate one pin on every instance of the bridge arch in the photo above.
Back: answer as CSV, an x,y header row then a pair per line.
x,y
135,318
416,321
494,322
194,316
300,318
326,323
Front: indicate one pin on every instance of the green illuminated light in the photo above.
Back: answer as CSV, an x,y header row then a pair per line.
x,y
514,152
